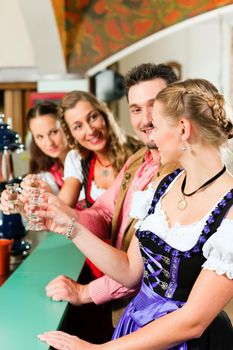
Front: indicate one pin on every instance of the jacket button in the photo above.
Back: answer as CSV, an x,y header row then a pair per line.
x,y
127,176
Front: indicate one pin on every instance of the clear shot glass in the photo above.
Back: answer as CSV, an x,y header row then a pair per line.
x,y
35,201
13,191
33,180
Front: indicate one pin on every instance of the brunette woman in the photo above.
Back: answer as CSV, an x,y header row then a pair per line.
x,y
48,147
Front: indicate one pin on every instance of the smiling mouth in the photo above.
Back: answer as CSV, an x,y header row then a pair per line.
x,y
53,149
147,131
96,139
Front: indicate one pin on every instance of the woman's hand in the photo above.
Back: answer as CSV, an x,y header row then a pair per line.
x,y
56,213
60,341
25,186
5,206
64,288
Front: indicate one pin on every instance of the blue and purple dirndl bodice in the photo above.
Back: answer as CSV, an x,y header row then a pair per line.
x,y
169,275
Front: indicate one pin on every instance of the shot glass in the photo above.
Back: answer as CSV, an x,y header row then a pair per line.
x,y
13,191
33,180
35,201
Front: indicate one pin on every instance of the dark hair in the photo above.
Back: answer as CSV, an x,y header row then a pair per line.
x,y
146,72
38,160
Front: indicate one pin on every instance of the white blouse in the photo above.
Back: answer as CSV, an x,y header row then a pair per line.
x,y
73,168
48,177
218,249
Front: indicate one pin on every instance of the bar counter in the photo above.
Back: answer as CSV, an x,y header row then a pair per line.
x,y
25,310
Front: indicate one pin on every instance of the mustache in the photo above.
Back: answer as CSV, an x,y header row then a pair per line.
x,y
146,126
152,145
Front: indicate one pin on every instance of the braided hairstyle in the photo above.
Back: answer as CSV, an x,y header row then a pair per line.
x,y
200,102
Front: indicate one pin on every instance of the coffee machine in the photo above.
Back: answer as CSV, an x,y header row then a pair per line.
x,y
11,226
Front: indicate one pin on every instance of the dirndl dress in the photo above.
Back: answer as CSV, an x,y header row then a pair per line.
x,y
169,275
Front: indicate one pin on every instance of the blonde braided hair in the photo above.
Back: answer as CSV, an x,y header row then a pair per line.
x,y
200,102
219,114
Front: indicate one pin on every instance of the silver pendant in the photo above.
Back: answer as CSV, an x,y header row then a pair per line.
x,y
182,204
105,172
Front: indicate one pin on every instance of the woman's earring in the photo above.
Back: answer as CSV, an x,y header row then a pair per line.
x,y
183,147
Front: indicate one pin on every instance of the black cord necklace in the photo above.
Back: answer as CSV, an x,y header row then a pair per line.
x,y
182,204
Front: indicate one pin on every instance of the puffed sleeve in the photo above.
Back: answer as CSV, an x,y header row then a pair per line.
x,y
218,250
141,203
73,166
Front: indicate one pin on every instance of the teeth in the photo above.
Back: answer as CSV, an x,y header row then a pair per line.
x,y
94,140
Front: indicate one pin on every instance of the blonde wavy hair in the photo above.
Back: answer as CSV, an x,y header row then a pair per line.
x,y
200,102
120,145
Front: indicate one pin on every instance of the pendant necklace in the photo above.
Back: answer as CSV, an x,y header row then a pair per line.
x,y
182,203
104,171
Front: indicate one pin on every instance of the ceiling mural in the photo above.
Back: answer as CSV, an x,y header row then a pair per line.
x,y
93,30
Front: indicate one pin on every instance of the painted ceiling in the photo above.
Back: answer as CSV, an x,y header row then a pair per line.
x,y
93,30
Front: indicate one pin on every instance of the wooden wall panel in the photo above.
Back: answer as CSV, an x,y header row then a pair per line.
x,y
16,103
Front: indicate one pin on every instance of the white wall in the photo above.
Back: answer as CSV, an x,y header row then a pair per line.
x,y
16,48
30,42
203,50
43,32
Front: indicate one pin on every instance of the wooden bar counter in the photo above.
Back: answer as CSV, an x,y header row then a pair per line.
x,y
25,310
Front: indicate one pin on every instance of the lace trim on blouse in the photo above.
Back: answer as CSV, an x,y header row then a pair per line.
x,y
219,256
218,250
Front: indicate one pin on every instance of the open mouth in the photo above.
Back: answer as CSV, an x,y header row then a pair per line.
x,y
147,131
96,139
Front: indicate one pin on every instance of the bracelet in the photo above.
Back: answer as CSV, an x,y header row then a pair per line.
x,y
70,229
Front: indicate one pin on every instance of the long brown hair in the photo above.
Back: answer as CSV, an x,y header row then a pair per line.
x,y
120,145
38,160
